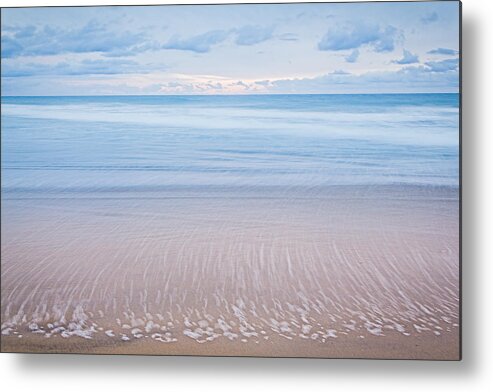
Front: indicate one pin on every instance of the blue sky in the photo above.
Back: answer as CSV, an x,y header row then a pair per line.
x,y
232,49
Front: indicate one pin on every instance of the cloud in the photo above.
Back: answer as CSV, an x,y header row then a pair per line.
x,y
177,88
207,87
85,67
340,72
132,51
184,87
430,18
48,40
422,78
251,35
263,83
353,56
242,84
288,37
444,51
407,58
444,65
353,36
10,47
201,43
24,32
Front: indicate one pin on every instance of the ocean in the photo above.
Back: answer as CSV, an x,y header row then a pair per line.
x,y
281,225
108,142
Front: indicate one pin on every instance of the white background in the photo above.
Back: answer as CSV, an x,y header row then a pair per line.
x,y
473,373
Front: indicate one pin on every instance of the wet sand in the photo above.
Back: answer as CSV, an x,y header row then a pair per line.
x,y
393,346
336,271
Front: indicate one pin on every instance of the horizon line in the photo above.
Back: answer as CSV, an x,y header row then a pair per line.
x,y
220,95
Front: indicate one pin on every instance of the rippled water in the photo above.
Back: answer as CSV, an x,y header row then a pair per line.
x,y
304,140
230,218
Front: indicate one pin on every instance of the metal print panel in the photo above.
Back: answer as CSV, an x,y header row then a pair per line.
x,y
239,180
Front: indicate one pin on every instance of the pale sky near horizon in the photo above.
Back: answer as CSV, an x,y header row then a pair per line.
x,y
231,49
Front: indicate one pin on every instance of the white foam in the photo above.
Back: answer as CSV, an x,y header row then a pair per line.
x,y
306,328
7,331
203,323
191,334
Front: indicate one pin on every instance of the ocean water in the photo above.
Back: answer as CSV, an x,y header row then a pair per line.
x,y
261,221
148,142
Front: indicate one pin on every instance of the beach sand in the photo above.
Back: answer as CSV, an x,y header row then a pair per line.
x,y
336,271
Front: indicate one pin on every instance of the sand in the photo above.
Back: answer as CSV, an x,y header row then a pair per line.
x,y
336,271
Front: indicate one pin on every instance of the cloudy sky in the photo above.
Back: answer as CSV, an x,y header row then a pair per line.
x,y
231,49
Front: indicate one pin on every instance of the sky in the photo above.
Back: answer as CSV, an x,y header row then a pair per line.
x,y
328,48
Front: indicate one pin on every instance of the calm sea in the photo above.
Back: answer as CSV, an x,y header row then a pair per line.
x,y
147,142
